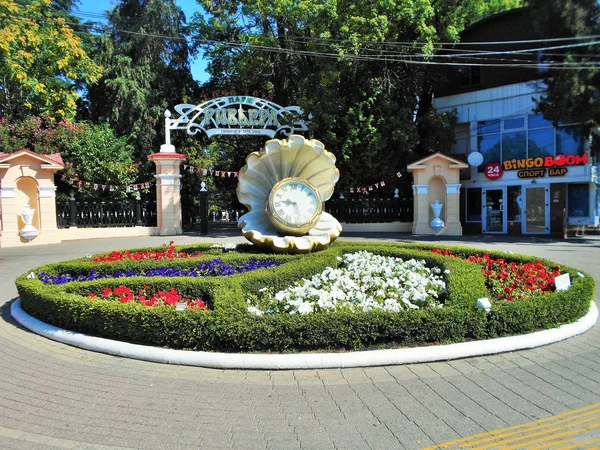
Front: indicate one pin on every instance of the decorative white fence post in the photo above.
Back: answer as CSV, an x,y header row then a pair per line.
x,y
168,197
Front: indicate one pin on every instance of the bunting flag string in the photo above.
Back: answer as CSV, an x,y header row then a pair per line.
x,y
367,189
228,173
112,188
370,188
212,172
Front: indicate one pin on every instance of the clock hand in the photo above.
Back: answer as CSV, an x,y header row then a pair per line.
x,y
298,213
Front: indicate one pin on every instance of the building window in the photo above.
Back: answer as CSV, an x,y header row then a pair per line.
x,y
514,145
514,209
514,124
470,76
569,140
578,200
473,202
529,136
461,144
541,142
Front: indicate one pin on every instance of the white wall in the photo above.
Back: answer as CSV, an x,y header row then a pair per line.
x,y
493,103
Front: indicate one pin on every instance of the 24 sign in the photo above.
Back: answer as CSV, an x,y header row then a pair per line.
x,y
493,171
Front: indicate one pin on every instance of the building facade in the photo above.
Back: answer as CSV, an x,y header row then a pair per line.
x,y
526,174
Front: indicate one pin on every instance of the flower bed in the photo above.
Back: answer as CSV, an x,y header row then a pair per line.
x,y
213,268
171,297
362,282
382,305
511,280
168,253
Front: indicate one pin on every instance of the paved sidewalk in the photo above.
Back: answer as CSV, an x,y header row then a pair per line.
x,y
56,396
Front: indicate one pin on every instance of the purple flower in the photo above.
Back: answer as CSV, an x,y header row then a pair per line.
x,y
214,268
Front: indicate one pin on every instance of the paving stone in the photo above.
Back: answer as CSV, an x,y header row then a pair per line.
x,y
473,398
282,445
54,393
354,444
316,444
507,395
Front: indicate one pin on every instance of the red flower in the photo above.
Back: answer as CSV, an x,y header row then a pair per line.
x,y
510,281
153,255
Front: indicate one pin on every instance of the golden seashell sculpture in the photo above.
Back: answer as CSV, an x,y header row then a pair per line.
x,y
284,187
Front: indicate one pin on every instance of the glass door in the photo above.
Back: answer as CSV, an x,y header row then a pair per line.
x,y
537,211
494,211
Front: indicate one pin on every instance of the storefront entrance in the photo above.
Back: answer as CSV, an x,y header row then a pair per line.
x,y
537,211
494,211
528,206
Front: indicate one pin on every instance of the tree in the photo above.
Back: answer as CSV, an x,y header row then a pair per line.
x,y
350,64
92,153
41,62
146,55
572,95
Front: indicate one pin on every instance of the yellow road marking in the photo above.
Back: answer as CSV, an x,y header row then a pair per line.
x,y
583,445
546,446
551,431
550,438
525,426
548,426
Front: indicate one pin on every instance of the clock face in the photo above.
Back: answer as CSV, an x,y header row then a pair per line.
x,y
294,206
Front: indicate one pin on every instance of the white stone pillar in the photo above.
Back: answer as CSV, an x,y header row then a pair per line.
x,y
421,209
47,214
9,224
453,225
168,197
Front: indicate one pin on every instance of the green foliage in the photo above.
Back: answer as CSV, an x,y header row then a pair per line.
x,y
145,73
347,63
572,95
229,327
91,153
41,61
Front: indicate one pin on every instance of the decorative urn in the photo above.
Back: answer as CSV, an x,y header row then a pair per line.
x,y
28,231
437,224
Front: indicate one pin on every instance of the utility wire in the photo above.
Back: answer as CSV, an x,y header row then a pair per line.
x,y
391,58
387,43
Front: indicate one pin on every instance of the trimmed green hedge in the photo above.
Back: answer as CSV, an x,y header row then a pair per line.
x,y
229,327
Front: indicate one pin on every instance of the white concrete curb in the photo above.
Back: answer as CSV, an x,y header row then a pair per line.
x,y
306,360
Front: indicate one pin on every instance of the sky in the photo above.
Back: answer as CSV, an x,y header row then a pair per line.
x,y
188,6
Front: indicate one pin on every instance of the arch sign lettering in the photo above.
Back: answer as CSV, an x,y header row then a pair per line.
x,y
236,115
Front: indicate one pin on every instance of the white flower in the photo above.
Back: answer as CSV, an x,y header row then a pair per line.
x,y
254,310
365,282
225,247
305,308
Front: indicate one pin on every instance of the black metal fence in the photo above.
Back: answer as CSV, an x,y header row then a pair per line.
x,y
127,213
196,216
371,210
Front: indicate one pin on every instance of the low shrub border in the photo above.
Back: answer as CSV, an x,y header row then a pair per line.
x,y
228,327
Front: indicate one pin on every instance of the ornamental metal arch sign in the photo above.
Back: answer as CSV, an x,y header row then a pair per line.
x,y
236,115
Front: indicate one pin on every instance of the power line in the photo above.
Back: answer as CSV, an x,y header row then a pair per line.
x,y
396,58
388,58
391,43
